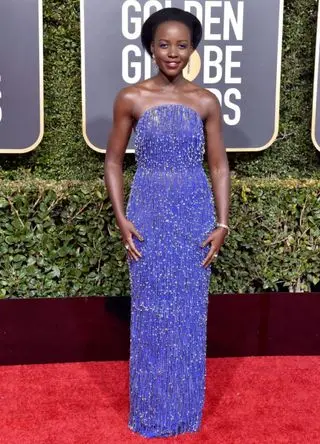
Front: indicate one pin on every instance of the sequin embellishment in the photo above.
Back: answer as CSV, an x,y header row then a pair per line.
x,y
171,204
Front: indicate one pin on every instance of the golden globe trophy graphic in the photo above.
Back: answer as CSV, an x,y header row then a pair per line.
x,y
192,70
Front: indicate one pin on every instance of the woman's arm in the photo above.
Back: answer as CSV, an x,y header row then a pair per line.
x,y
218,161
220,176
116,147
113,173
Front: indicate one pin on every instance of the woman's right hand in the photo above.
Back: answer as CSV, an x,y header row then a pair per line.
x,y
127,230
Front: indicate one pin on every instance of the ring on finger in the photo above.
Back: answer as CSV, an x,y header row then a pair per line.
x,y
127,246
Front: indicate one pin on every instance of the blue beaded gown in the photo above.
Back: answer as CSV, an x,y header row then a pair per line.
x,y
172,206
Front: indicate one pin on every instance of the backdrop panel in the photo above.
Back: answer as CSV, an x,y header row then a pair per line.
x,y
238,59
315,130
21,75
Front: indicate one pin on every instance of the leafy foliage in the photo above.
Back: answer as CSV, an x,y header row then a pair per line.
x,y
60,239
275,241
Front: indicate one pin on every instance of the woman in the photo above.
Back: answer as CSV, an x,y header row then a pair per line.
x,y
173,227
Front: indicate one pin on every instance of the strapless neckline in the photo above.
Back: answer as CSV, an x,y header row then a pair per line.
x,y
163,105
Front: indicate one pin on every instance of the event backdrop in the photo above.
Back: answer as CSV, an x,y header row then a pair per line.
x,y
21,75
315,130
238,59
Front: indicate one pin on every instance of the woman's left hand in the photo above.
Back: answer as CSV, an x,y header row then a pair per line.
x,y
216,238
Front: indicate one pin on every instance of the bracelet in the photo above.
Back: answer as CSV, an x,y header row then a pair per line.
x,y
224,226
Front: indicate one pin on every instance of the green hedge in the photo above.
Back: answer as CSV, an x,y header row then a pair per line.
x,y
63,153
60,239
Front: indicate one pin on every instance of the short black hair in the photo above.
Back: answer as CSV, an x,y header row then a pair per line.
x,y
155,27
170,14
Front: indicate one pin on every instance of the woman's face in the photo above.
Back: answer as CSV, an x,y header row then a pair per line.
x,y
172,47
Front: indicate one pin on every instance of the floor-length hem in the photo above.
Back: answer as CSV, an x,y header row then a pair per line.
x,y
156,433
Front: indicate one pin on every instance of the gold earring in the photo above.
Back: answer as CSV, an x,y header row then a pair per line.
x,y
188,67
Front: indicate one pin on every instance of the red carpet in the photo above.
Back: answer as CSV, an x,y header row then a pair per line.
x,y
248,400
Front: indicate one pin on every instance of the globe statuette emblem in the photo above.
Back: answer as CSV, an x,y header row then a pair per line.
x,y
194,67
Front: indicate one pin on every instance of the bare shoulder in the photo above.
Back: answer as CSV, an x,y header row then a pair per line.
x,y
207,100
125,98
129,96
210,102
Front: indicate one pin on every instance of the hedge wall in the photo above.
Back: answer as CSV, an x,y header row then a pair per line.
x,y
60,238
64,155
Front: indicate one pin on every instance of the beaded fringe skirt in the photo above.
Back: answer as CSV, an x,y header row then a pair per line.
x,y
173,209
